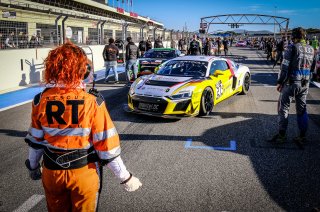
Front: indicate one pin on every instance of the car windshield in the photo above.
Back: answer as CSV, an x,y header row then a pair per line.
x,y
184,68
159,54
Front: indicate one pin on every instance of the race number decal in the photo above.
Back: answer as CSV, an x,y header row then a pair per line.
x,y
219,89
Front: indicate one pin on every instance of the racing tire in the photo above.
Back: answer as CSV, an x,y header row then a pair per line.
x,y
206,103
246,84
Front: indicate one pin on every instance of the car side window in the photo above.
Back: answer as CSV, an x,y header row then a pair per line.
x,y
224,65
234,65
218,65
213,67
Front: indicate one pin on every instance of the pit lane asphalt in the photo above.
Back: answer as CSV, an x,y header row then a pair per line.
x,y
256,177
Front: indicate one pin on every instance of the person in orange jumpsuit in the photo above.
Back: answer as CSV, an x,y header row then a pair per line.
x,y
74,133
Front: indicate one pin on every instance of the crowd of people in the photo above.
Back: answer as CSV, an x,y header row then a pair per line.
x,y
195,46
208,46
275,48
19,41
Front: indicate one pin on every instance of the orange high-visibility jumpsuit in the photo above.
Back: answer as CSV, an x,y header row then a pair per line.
x,y
71,119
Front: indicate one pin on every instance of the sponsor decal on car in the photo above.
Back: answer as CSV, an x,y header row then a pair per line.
x,y
170,78
219,89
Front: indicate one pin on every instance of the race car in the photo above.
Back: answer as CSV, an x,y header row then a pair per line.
x,y
188,86
241,44
153,58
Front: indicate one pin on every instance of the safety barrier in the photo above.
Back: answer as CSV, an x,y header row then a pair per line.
x,y
24,67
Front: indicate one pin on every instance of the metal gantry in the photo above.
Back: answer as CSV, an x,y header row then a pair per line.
x,y
242,19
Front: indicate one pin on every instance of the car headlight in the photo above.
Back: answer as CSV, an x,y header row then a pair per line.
x,y
136,83
131,91
181,95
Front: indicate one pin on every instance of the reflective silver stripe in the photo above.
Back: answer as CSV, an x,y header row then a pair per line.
x,y
36,132
105,134
45,143
67,131
109,154
285,62
33,140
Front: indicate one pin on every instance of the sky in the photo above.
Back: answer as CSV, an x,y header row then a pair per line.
x,y
175,14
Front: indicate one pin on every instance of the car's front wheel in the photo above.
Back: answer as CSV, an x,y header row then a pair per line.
x,y
246,84
206,104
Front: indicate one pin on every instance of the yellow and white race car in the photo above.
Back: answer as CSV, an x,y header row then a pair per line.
x,y
188,86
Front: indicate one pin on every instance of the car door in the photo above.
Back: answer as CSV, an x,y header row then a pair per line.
x,y
222,78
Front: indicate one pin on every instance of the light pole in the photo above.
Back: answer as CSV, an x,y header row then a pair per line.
x,y
274,25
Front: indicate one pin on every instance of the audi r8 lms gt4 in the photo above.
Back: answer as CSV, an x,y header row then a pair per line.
x,y
188,86
153,58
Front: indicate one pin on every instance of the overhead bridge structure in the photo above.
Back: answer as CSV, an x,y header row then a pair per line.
x,y
236,20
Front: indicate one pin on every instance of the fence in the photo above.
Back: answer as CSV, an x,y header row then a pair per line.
x,y
20,28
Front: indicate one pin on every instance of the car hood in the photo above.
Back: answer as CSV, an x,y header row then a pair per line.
x,y
152,61
160,86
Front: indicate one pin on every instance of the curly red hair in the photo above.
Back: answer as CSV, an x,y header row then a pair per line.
x,y
66,65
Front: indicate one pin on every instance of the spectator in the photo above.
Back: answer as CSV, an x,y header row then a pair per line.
x,y
23,40
269,47
132,53
110,55
158,43
194,47
149,44
218,42
142,47
208,47
172,44
225,46
279,48
9,43
315,43
1,41
33,41
182,45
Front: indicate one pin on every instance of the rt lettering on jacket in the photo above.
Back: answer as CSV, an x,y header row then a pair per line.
x,y
55,108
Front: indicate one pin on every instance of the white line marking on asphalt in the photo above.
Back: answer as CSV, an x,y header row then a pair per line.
x,y
316,84
16,105
269,86
30,203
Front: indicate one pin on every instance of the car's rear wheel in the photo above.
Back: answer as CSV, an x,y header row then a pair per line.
x,y
246,84
206,104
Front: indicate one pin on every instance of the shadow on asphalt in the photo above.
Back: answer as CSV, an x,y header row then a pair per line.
x,y
264,79
13,133
289,174
309,101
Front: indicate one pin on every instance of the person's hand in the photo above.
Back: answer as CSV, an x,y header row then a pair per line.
x,y
132,183
35,174
279,87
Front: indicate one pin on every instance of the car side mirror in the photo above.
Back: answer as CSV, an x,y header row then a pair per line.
x,y
156,69
218,72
